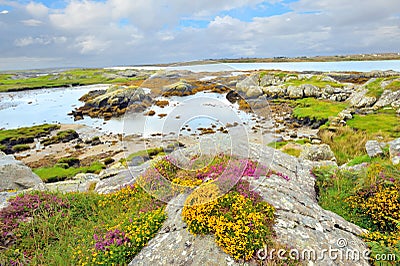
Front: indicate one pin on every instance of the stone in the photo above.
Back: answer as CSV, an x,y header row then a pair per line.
x,y
387,98
294,92
394,151
254,92
317,153
311,90
15,175
248,82
274,91
373,148
359,99
345,115
179,88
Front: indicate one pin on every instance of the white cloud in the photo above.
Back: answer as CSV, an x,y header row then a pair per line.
x,y
37,9
4,12
32,22
90,44
42,40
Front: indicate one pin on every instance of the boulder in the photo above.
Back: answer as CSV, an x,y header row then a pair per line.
x,y
270,80
254,92
294,92
180,88
248,82
387,98
274,91
310,90
359,99
15,175
317,153
394,151
373,148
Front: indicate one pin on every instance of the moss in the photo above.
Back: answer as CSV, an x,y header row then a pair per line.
x,y
62,136
144,153
60,173
292,151
317,109
20,147
384,123
314,80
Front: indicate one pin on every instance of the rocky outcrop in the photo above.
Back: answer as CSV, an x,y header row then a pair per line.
x,y
358,99
301,223
113,102
394,150
14,175
320,152
387,98
373,148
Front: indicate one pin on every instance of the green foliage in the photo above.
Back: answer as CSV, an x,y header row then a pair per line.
x,y
72,228
375,88
359,159
345,143
384,122
20,147
73,77
26,134
59,172
62,136
314,80
317,109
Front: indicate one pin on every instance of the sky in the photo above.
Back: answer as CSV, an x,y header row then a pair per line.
x,y
88,33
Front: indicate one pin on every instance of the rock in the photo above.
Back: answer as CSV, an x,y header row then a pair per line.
x,y
174,245
294,92
317,153
4,197
387,98
345,115
254,92
79,184
275,91
373,148
358,99
138,160
396,104
270,80
310,90
300,222
394,151
16,175
248,82
180,88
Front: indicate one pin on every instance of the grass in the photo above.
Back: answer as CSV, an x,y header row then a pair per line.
x,y
280,145
314,80
62,136
375,88
317,109
78,228
62,171
24,135
369,198
73,77
345,142
384,122
20,147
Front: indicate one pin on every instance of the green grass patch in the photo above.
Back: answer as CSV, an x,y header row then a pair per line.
x,y
292,151
385,122
20,147
62,136
375,88
317,81
317,109
73,77
360,159
62,171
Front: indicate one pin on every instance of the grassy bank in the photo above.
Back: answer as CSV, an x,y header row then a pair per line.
x,y
75,77
369,198
317,109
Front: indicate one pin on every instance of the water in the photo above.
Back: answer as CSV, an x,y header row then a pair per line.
x,y
359,66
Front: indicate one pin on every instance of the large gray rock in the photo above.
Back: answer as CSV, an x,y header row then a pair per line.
x,y
248,82
254,92
359,99
300,222
311,90
317,153
16,175
294,92
394,151
387,98
275,91
373,148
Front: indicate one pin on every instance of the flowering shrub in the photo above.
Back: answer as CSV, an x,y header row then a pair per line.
x,y
241,226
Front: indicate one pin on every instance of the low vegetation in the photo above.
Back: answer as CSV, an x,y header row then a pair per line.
x,y
75,77
369,198
24,135
317,81
43,228
317,109
375,88
62,136
66,168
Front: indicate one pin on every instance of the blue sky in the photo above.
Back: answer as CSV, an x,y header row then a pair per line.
x,y
119,32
